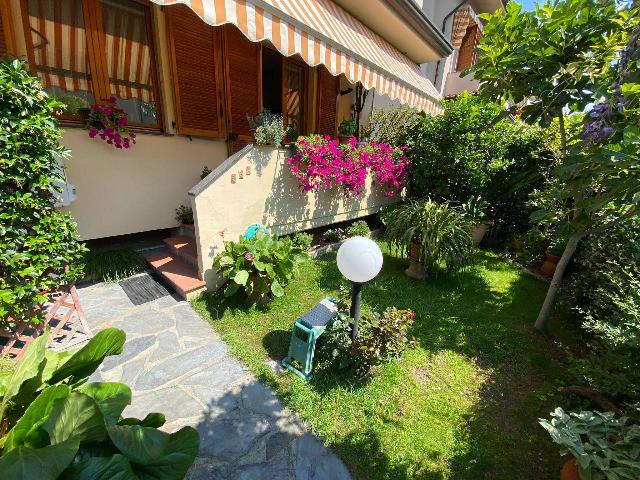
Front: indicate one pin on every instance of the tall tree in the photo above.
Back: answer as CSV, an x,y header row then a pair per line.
x,y
572,57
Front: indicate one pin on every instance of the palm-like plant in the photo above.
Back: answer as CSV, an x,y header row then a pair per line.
x,y
441,232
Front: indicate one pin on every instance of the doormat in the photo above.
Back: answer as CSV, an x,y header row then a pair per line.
x,y
143,288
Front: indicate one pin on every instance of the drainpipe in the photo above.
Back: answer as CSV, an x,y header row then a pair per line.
x,y
444,25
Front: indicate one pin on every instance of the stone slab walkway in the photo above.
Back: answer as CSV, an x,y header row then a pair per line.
x,y
176,364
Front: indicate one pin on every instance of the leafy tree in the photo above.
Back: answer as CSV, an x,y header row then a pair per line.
x,y
39,247
564,57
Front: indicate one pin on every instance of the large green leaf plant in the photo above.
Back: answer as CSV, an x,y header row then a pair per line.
x,y
53,424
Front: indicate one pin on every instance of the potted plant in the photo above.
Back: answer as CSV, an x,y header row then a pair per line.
x,y
333,235
184,215
552,257
259,267
358,228
602,446
475,210
110,123
268,128
432,234
347,129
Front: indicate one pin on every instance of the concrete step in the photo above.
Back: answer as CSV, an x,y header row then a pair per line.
x,y
181,275
183,247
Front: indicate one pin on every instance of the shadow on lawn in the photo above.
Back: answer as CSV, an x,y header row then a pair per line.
x,y
460,312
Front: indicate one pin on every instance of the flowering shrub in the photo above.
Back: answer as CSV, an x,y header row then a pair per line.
x,y
110,124
322,162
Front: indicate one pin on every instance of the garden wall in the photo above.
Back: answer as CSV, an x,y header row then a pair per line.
x,y
256,186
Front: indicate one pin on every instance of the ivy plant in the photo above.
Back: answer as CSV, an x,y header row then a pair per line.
x,y
53,424
39,245
260,266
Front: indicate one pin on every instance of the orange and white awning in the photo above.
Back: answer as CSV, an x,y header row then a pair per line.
x,y
321,32
463,19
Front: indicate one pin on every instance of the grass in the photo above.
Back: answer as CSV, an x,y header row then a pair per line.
x,y
113,265
463,404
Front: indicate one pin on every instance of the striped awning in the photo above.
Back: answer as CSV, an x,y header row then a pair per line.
x,y
321,32
463,19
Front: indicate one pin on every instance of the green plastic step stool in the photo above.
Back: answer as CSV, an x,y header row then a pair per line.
x,y
306,331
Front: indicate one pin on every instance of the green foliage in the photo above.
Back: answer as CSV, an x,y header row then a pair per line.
x,y
471,151
391,125
381,339
269,128
441,232
184,214
348,127
604,291
60,426
113,265
557,55
358,228
475,210
205,172
39,246
302,240
604,446
72,103
333,235
260,266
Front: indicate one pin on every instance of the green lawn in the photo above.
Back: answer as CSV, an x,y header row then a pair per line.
x,y
463,404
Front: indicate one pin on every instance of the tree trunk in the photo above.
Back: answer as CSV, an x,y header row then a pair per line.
x,y
549,300
563,134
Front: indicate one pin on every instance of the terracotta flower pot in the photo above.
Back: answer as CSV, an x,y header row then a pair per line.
x,y
343,139
517,245
548,267
415,270
478,232
570,470
84,114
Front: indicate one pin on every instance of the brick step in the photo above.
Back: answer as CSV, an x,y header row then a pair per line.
x,y
183,247
182,276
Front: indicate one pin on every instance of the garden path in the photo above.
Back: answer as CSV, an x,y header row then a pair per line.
x,y
176,364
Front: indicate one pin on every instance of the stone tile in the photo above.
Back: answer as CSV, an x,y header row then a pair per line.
x,y
173,368
315,462
190,325
131,348
132,370
205,470
231,437
257,398
144,321
218,376
216,402
276,468
172,401
168,345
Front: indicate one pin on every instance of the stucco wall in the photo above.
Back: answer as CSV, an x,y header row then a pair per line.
x,y
457,84
136,190
269,195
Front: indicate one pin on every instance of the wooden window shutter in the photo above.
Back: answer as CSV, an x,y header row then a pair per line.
x,y
326,105
197,76
467,47
243,85
7,46
3,42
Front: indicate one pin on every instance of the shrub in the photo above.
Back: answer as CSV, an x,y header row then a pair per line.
x,y
268,128
391,125
468,152
381,339
184,214
604,447
442,232
205,172
39,246
302,240
333,235
320,162
348,127
358,228
261,266
55,425
475,210
113,265
604,291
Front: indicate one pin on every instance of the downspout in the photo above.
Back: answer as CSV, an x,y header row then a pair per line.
x,y
444,25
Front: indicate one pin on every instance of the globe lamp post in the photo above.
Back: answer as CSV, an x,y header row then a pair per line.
x,y
359,260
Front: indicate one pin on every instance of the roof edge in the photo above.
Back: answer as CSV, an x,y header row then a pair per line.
x,y
409,11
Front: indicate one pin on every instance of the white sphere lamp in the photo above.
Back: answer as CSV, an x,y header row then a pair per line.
x,y
359,260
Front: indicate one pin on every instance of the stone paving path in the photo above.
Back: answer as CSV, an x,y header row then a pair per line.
x,y
176,364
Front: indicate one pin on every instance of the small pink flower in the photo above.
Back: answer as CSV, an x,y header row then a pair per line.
x,y
248,257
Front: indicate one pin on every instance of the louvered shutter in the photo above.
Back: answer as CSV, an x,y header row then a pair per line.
x,y
3,42
466,53
326,106
243,86
197,75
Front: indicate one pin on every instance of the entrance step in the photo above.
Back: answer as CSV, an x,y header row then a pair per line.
x,y
181,275
183,247
187,230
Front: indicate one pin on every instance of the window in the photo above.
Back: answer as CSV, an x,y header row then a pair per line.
x,y
271,80
294,97
467,55
80,65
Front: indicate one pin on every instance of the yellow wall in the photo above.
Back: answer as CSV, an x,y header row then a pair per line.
x,y
135,190
269,195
